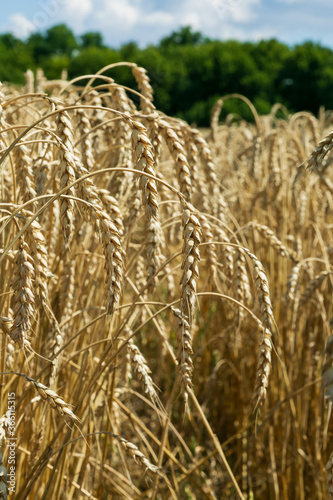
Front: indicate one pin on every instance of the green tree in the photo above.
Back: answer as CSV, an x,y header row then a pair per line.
x,y
91,59
184,36
38,46
306,77
60,40
91,39
15,59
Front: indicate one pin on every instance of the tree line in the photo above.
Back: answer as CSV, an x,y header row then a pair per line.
x,y
188,71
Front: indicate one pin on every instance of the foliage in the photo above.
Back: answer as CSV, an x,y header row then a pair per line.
x,y
186,69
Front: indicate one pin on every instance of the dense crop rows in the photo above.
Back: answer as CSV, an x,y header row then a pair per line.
x,y
167,292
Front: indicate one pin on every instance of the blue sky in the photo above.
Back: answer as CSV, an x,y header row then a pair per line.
x,y
147,21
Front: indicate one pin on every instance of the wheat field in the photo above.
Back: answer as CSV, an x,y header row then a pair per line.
x,y
165,297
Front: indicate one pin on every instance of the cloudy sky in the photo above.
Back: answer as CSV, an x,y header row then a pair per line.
x,y
147,21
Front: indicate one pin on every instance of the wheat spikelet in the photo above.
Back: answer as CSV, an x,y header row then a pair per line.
x,y
146,103
178,154
272,239
111,241
256,170
67,171
216,198
41,169
192,239
84,128
122,156
210,248
292,282
274,180
192,157
40,81
144,162
55,401
29,82
6,323
263,369
142,370
155,138
4,424
263,291
112,207
67,290
228,252
37,245
243,290
114,259
312,286
24,174
214,119
133,451
23,300
318,155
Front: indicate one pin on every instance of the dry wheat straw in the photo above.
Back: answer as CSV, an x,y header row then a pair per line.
x,y
329,477
327,369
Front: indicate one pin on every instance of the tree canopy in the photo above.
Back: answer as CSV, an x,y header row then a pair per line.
x,y
188,71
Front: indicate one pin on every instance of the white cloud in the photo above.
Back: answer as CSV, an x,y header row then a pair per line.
x,y
215,16
19,25
160,18
122,14
79,8
289,2
74,12
140,20
191,19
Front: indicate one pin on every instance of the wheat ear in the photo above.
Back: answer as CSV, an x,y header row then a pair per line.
x,y
55,401
142,370
144,162
192,239
23,298
67,171
312,286
263,369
